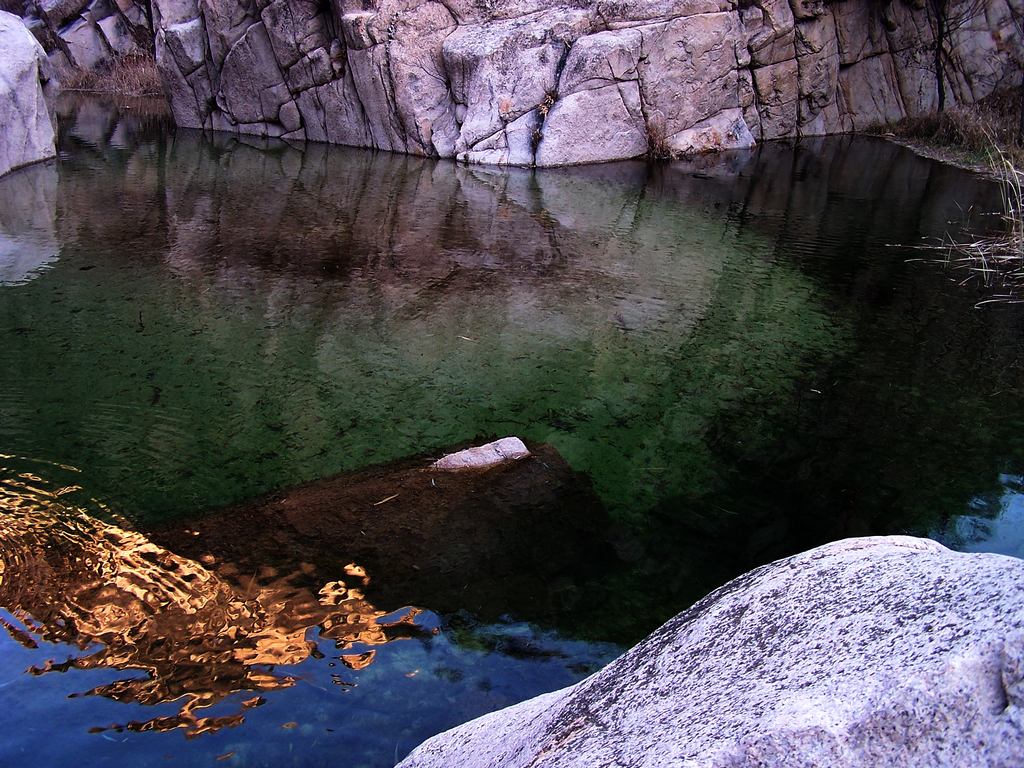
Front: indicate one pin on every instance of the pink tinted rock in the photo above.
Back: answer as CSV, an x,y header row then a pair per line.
x,y
484,456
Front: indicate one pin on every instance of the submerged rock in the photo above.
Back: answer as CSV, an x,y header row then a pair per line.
x,y
513,539
520,82
864,652
26,132
484,456
231,600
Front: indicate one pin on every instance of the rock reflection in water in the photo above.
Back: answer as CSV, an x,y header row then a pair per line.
x,y
28,240
198,632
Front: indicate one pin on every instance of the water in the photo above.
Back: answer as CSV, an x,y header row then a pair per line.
x,y
731,361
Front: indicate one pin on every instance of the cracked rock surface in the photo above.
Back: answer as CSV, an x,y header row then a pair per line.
x,y
88,34
529,82
874,651
26,132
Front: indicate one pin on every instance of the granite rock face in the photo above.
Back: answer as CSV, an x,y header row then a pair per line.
x,y
26,131
535,82
88,34
864,652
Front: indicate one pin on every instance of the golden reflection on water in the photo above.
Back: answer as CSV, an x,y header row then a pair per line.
x,y
197,632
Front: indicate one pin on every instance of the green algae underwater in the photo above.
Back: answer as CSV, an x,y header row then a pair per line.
x,y
718,363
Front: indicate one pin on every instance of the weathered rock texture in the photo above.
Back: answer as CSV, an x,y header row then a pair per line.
x,y
872,651
88,34
502,451
549,83
26,132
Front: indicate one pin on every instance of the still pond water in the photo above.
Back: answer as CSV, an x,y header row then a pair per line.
x,y
718,364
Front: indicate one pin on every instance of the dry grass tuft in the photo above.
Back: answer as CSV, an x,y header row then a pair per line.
x,y
658,149
135,75
972,130
989,137
994,258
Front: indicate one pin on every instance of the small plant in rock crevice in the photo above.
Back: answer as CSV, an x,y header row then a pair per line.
x,y
658,149
545,106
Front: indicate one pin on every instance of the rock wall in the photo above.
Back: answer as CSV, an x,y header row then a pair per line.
x,y
865,652
535,82
26,131
88,34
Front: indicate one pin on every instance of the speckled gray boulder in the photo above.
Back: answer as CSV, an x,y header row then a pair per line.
x,y
882,651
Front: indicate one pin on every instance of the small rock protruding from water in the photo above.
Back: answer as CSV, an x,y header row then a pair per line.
x,y
484,456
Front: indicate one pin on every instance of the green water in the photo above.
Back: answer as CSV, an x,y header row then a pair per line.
x,y
225,320
736,355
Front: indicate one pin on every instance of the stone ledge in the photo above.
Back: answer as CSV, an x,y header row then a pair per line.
x,y
864,652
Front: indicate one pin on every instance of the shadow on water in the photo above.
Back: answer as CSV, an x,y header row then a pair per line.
x,y
717,363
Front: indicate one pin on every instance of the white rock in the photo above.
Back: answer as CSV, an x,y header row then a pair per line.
x,y
252,86
594,125
57,12
881,651
26,132
726,130
484,456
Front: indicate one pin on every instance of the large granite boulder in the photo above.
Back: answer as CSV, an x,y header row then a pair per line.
x,y
525,82
26,132
866,652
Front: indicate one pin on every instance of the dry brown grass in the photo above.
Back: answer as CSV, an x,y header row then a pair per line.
x,y
970,132
987,136
658,149
135,75
13,6
997,260
994,257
